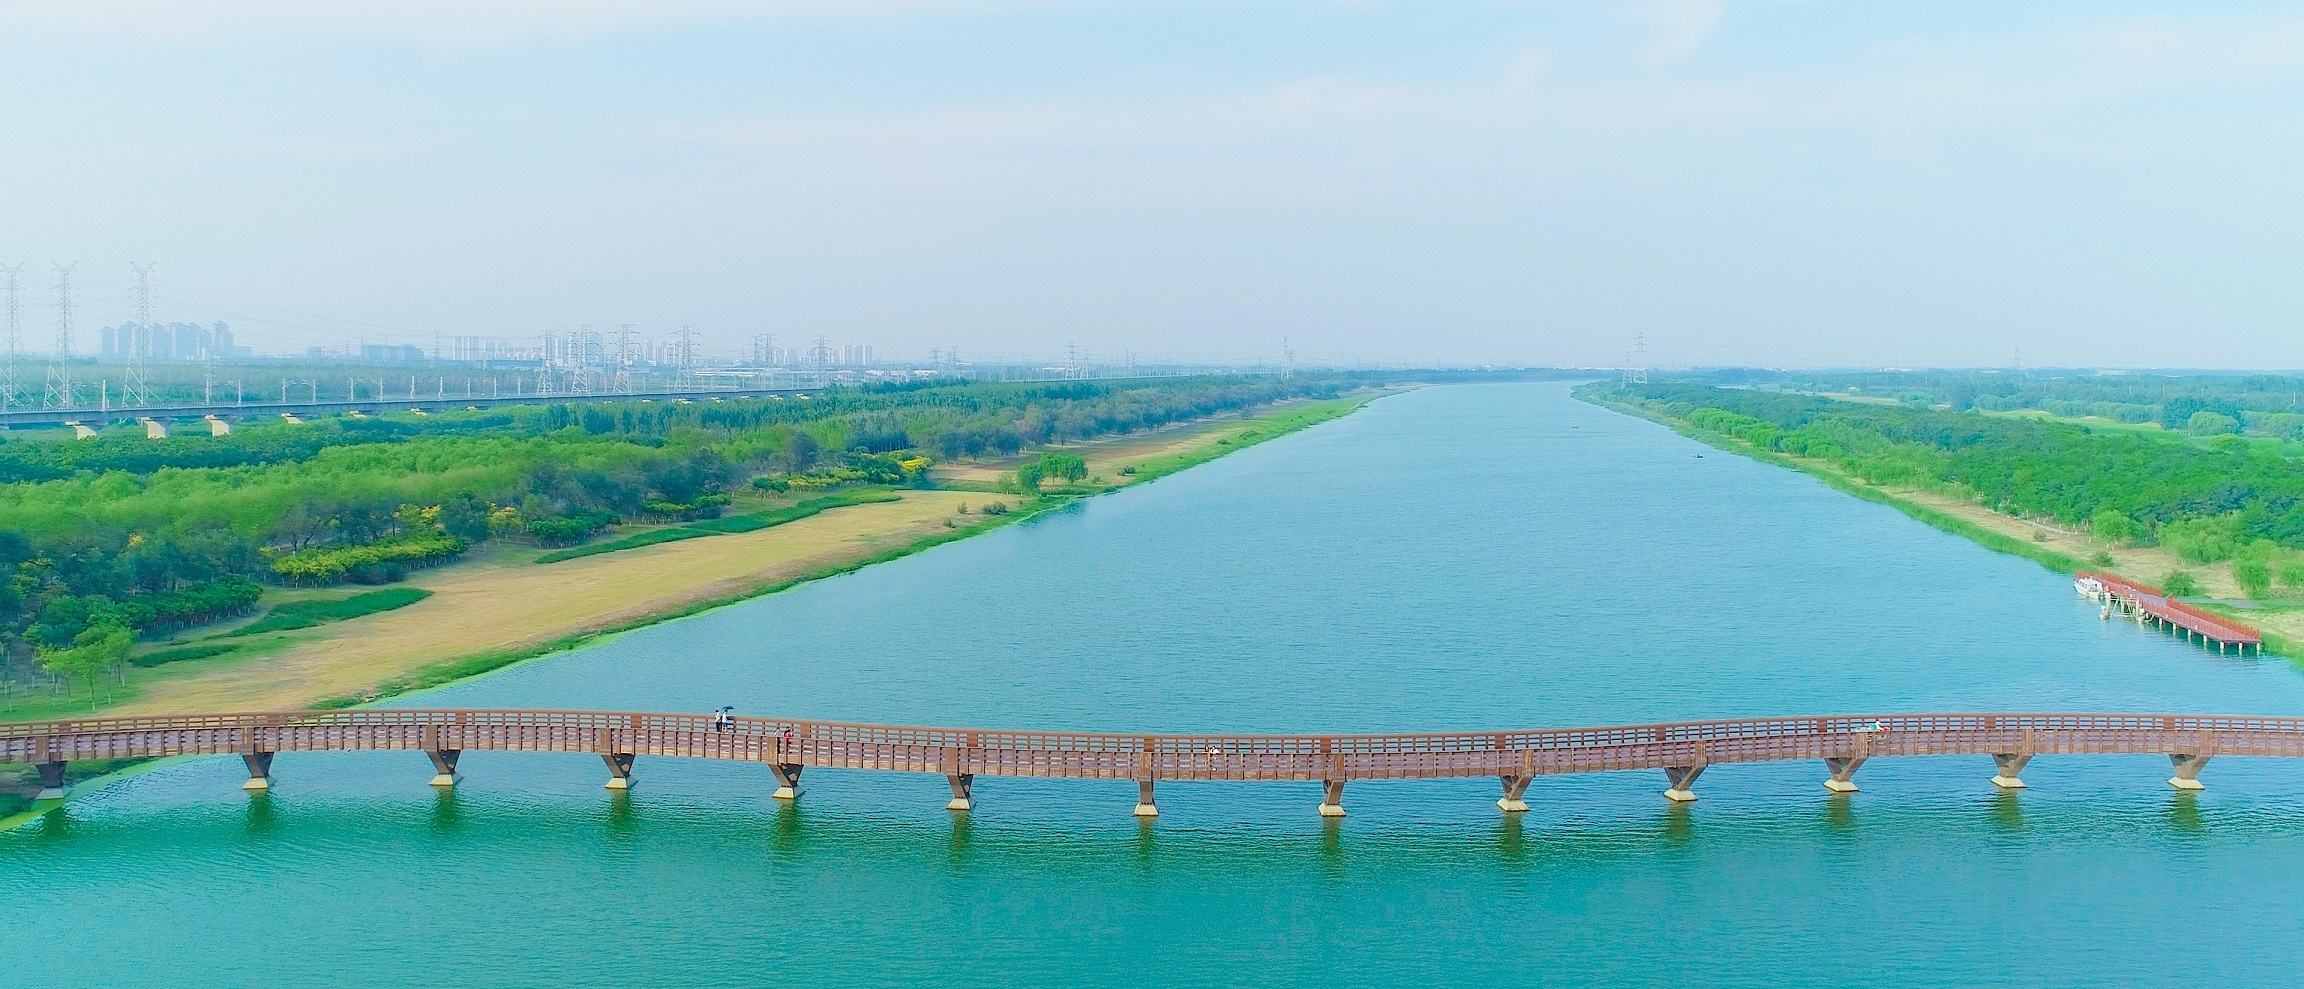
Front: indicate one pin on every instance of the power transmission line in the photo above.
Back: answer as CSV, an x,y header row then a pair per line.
x,y
687,376
59,393
14,315
141,340
624,358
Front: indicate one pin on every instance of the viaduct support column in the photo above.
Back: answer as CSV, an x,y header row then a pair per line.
x,y
444,766
1144,805
1514,786
788,775
1843,770
1332,798
619,769
2007,766
2187,771
1683,780
51,781
962,786
259,770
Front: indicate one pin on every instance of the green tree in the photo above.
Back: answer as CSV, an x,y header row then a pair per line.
x,y
2254,575
801,453
2111,524
2203,540
2211,424
2181,584
2291,572
1067,467
1028,479
96,651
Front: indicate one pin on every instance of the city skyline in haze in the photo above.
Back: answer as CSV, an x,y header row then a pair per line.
x,y
1772,183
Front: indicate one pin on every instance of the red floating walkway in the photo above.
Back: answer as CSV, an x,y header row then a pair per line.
x,y
2149,604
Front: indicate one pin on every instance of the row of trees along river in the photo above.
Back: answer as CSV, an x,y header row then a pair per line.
x,y
2211,500
107,540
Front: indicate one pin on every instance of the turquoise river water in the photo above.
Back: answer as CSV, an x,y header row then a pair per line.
x,y
1462,557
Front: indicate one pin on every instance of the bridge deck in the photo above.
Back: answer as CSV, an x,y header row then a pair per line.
x,y
1682,749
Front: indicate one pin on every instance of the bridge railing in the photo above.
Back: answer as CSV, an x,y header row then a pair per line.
x,y
837,732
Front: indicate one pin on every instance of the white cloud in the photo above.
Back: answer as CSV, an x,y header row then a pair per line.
x,y
1676,29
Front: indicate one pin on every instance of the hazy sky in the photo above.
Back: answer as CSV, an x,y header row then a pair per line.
x,y
1774,182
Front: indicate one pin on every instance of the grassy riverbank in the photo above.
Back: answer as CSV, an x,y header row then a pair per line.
x,y
516,610
504,606
2059,549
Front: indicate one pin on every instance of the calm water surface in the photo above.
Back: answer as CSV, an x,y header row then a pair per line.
x,y
1464,557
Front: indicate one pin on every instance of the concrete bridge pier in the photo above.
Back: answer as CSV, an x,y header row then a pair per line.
x,y
2007,765
1514,786
2187,771
444,766
1331,798
259,770
788,776
1683,778
963,786
1144,805
1843,770
619,769
51,781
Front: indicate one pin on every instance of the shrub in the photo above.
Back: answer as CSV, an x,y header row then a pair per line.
x,y
304,614
2181,584
182,653
2203,540
333,563
701,507
572,529
2112,525
2254,575
2211,424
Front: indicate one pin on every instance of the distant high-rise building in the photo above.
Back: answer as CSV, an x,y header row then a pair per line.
x,y
390,352
168,341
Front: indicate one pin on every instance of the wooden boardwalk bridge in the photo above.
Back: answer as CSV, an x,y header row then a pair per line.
x,y
1682,750
2150,605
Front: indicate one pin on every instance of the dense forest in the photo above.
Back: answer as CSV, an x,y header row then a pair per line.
x,y
120,536
2226,499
